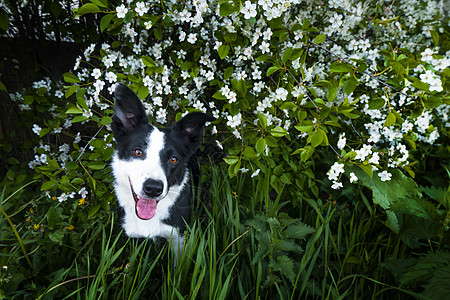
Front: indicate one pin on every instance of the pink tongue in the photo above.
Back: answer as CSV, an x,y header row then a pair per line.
x,y
146,208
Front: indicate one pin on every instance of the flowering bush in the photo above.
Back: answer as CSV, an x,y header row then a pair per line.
x,y
317,97
292,82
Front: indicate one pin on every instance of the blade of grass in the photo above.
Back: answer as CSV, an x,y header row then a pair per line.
x,y
17,237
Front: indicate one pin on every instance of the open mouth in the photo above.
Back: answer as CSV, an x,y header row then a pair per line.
x,y
145,208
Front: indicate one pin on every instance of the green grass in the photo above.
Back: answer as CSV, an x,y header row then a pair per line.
x,y
242,243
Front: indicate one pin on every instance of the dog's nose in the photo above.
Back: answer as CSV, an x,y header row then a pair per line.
x,y
153,188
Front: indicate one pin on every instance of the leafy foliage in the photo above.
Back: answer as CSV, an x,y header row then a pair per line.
x,y
304,92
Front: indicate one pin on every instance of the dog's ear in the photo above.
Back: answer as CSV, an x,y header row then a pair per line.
x,y
190,128
129,113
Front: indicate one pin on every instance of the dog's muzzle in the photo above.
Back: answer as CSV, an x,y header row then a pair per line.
x,y
146,207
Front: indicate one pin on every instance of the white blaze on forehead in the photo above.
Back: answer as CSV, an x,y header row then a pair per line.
x,y
155,143
139,170
152,159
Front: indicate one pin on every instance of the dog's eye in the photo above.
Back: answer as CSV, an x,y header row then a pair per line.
x,y
173,159
138,152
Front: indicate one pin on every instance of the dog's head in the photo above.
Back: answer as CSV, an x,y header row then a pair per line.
x,y
148,159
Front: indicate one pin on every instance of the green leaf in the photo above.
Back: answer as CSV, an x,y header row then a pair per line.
x,y
417,207
298,231
385,193
87,9
249,152
278,132
54,217
287,54
228,72
4,20
350,85
80,98
226,9
105,21
231,160
320,38
96,165
272,70
106,120
260,146
70,90
100,3
367,168
57,236
143,92
223,51
390,120
262,120
219,96
377,103
71,78
306,153
316,138
44,131
288,105
158,32
93,211
285,265
435,37
74,110
55,8
79,119
305,126
148,61
48,185
340,67
418,84
331,93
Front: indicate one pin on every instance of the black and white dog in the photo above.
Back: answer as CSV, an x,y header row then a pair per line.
x,y
151,169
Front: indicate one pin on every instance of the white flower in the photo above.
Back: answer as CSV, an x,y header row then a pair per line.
x,y
185,16
59,94
141,8
63,197
232,97
267,34
336,20
281,94
121,11
342,141
375,158
96,73
36,129
157,101
249,10
336,185
385,176
182,36
335,170
148,24
111,77
255,173
161,116
83,193
192,38
353,177
427,55
234,121
225,91
99,84
362,153
264,47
